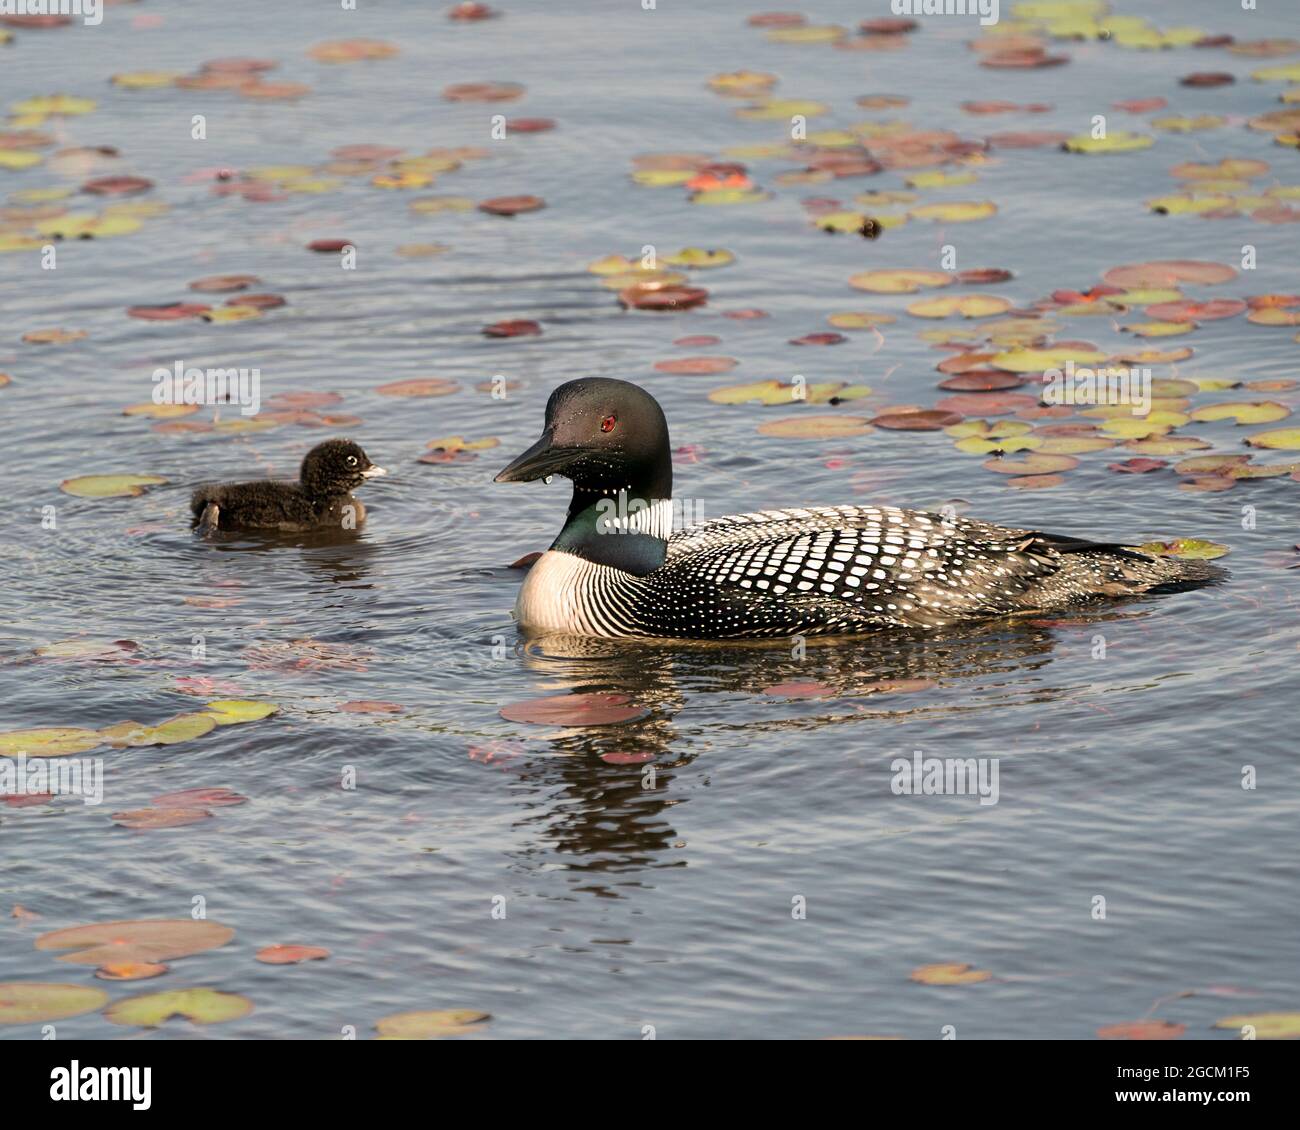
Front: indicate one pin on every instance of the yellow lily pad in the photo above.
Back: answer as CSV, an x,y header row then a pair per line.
x,y
816,427
232,711
955,212
1028,360
1267,1025
1121,141
859,320
54,104
431,1025
950,973
110,486
200,1006
37,1002
53,741
145,80
697,258
1280,439
902,281
968,306
1244,412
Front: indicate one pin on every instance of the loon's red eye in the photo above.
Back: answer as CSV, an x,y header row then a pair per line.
x,y
607,424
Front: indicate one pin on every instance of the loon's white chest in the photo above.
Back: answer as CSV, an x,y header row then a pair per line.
x,y
562,594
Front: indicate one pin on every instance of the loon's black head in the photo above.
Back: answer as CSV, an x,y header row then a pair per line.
x,y
604,435
336,467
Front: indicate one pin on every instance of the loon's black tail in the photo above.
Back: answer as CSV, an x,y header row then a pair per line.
x,y
1125,568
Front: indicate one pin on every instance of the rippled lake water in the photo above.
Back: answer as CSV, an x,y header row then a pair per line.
x,y
519,869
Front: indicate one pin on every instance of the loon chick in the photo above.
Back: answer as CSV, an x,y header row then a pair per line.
x,y
617,569
321,498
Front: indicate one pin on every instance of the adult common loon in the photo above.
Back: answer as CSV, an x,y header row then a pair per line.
x,y
618,569
321,498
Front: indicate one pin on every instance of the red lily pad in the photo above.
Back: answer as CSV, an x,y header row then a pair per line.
x,y
173,817
199,798
529,125
1207,78
819,339
621,758
799,690
1164,273
221,284
986,404
372,706
483,92
117,186
1186,310
575,710
668,298
704,341
291,955
1142,1030
520,327
982,380
511,205
887,26
168,312
697,366
329,245
922,420
981,276
258,301
1137,466
427,386
1027,139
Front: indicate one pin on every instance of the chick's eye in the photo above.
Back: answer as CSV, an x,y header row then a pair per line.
x,y
352,460
607,424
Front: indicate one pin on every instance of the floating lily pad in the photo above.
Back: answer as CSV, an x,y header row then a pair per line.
x,y
902,281
54,741
200,1006
949,973
575,710
231,711
110,486
1190,549
816,427
1142,1030
1267,1025
37,1002
291,955
1245,412
149,939
1280,439
420,387
431,1025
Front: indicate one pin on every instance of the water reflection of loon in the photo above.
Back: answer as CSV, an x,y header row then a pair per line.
x,y
605,820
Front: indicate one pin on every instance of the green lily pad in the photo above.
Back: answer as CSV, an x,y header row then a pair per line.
x,y
1244,412
36,1002
54,741
110,486
1280,439
201,1006
232,711
1190,549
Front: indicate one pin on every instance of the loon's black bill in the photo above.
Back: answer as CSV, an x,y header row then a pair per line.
x,y
538,461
